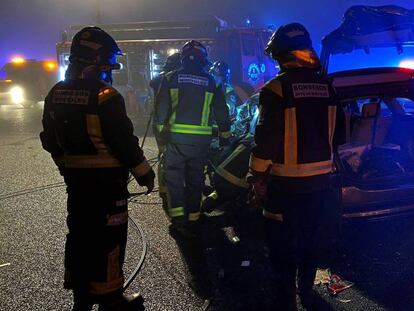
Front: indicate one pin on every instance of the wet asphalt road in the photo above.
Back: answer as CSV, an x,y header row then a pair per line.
x,y
213,274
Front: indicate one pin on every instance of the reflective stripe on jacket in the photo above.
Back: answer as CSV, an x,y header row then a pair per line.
x,y
185,105
296,131
85,126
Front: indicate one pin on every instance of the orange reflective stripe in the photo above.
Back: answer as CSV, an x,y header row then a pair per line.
x,y
114,269
291,137
102,288
91,161
302,170
259,165
141,169
114,278
93,125
106,93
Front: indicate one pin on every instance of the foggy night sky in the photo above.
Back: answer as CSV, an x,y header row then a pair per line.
x,y
32,27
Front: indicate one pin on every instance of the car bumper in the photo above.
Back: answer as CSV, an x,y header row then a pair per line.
x,y
360,203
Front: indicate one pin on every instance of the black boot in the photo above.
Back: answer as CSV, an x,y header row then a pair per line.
x,y
306,278
81,301
133,302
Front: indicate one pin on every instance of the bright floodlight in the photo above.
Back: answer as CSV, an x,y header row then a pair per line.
x,y
16,94
407,64
172,51
18,60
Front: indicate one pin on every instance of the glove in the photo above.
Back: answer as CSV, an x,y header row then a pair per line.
x,y
260,192
259,183
146,180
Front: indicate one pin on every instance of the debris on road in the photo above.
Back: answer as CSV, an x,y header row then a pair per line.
x,y
337,284
231,235
206,304
5,264
245,263
323,277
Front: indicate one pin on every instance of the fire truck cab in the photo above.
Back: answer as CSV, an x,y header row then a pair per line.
x,y
27,81
146,45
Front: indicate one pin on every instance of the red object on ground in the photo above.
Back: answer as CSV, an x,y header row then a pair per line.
x,y
337,284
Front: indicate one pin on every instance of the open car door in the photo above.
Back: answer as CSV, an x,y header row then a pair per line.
x,y
365,27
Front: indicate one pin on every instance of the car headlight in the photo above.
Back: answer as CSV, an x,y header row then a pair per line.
x,y
16,94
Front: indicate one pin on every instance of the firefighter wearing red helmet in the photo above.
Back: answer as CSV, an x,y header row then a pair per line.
x,y
90,137
184,106
301,124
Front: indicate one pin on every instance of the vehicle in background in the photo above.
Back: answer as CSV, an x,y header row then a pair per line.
x,y
27,81
146,45
375,168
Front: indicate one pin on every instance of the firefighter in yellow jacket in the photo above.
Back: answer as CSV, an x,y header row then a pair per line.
x,y
184,106
90,137
301,123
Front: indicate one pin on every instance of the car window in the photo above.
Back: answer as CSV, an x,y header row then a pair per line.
x,y
385,111
406,104
388,105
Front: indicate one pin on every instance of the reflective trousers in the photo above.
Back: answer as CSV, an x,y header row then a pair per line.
x,y
293,241
184,180
95,245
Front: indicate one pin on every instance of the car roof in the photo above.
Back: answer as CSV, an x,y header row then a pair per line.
x,y
385,81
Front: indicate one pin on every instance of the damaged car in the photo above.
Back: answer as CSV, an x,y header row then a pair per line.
x,y
375,168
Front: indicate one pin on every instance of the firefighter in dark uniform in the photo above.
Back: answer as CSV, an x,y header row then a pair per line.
x,y
90,137
301,123
184,106
228,179
172,63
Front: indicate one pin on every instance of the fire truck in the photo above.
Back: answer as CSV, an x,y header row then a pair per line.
x,y
146,45
27,81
